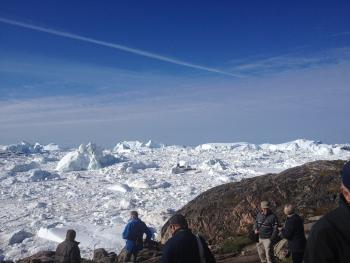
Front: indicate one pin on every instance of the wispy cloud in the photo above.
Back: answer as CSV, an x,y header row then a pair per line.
x,y
116,46
297,104
340,34
287,62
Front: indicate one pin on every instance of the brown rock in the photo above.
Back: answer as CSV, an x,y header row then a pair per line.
x,y
230,209
102,256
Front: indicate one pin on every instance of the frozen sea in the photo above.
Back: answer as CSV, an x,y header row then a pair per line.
x,y
46,189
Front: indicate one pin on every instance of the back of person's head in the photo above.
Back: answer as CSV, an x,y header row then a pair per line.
x,y
179,220
70,236
134,214
289,209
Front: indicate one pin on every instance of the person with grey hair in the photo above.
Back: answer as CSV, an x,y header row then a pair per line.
x,y
293,231
329,240
133,233
266,227
68,251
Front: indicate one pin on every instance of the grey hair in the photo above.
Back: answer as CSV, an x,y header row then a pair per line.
x,y
134,214
289,209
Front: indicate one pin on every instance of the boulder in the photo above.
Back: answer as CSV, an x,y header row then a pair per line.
x,y
102,256
151,253
40,257
230,209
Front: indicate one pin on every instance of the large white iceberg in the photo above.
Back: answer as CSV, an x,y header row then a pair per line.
x,y
87,157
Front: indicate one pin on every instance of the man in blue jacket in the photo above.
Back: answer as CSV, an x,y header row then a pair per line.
x,y
185,247
133,233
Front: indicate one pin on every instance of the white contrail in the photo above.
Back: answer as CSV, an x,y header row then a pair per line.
x,y
115,46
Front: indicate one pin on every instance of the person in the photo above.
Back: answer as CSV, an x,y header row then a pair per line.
x,y
293,231
266,227
68,251
329,239
133,233
184,246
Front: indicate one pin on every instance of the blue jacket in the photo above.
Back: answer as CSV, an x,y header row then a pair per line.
x,y
183,248
133,233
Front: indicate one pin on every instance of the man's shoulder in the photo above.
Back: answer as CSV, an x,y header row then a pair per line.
x,y
322,226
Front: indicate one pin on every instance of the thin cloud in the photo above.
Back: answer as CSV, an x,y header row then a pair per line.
x,y
115,46
340,34
293,61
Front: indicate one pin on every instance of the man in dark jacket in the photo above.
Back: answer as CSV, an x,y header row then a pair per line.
x,y
133,233
293,231
329,240
68,251
266,226
183,246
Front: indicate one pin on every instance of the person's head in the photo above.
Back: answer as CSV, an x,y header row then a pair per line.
x,y
289,209
70,236
345,179
134,215
176,222
265,207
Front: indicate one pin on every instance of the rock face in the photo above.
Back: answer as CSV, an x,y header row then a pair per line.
x,y
230,209
102,256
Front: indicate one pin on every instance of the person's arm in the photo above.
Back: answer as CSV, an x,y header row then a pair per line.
x,y
275,228
58,254
288,230
209,257
255,227
256,224
126,231
148,233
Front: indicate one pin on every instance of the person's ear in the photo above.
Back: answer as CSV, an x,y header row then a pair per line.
x,y
346,193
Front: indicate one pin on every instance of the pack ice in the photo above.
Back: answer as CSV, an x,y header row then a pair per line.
x,y
47,189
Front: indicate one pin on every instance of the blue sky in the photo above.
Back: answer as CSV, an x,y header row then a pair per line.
x,y
184,72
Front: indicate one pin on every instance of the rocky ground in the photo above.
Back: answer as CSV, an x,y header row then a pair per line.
x,y
224,214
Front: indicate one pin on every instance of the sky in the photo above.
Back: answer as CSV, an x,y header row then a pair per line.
x,y
177,72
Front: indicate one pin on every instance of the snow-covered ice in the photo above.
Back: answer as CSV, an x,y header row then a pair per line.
x,y
47,189
89,157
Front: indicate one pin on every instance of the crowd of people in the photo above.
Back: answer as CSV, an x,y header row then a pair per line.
x,y
328,242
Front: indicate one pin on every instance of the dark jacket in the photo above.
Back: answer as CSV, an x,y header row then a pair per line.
x,y
329,240
267,225
183,248
133,233
68,252
294,231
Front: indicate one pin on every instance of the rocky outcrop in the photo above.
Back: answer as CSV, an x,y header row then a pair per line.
x,y
230,209
43,257
151,253
102,256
